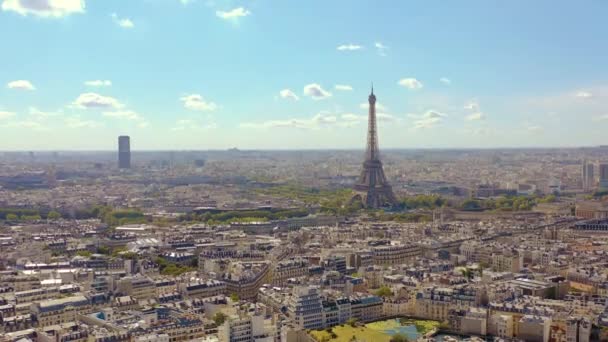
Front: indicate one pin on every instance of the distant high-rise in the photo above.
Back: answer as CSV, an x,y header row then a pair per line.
x,y
603,171
374,188
124,152
588,175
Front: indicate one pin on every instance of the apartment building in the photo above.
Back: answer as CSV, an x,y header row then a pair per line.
x,y
305,308
203,289
139,287
36,295
59,311
245,328
395,254
578,329
287,269
534,328
507,261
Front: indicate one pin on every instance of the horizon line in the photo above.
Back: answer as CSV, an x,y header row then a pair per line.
x,y
313,149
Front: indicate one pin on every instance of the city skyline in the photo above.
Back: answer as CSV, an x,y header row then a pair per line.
x,y
214,75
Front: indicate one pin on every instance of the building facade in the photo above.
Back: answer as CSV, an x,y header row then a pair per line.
x,y
124,152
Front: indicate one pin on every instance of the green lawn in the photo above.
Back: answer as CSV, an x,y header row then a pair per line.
x,y
345,334
378,331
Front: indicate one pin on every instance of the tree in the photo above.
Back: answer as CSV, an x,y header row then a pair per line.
x,y
352,322
53,215
234,297
423,201
84,253
129,255
384,291
219,318
103,250
35,217
444,326
471,204
12,217
399,338
467,273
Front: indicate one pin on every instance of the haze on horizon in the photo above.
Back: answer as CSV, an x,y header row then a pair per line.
x,y
200,75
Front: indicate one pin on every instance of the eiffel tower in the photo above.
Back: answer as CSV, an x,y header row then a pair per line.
x,y
373,190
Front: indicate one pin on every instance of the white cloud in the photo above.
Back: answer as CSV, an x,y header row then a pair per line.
x,y
584,94
98,83
186,2
198,103
472,105
316,92
321,119
41,114
433,114
475,113
288,94
532,128
478,131
233,14
44,8
385,117
427,123
428,119
379,106
410,83
349,47
352,117
122,22
343,87
596,118
475,116
29,124
184,124
124,114
6,115
21,85
289,123
94,100
445,80
77,122
381,48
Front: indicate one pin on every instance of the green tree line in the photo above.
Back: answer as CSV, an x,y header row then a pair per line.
x,y
506,203
245,215
14,214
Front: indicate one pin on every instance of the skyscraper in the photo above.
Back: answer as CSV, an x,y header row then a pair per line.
x,y
375,192
124,152
584,174
588,176
603,171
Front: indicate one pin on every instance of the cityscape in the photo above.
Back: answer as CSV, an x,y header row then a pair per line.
x,y
242,221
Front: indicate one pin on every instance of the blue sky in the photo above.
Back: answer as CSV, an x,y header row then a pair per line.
x,y
200,74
